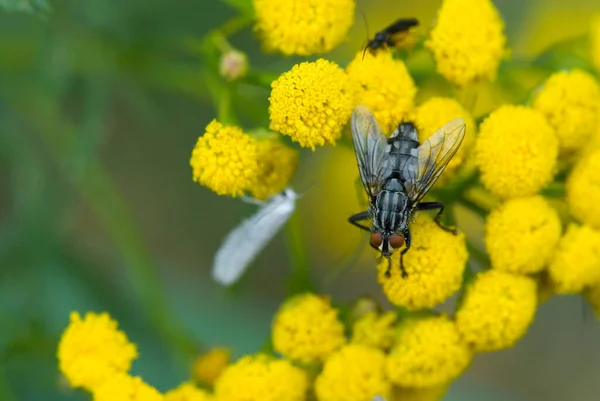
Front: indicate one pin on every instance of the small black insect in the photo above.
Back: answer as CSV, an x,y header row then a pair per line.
x,y
391,35
396,174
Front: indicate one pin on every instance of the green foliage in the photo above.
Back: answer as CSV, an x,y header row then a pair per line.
x,y
25,6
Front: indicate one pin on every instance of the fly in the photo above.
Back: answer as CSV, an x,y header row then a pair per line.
x,y
243,244
396,174
391,35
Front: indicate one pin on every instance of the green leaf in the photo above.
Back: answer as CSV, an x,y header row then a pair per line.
x,y
25,6
245,7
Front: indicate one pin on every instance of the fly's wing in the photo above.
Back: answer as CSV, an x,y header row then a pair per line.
x,y
242,245
401,25
370,148
433,156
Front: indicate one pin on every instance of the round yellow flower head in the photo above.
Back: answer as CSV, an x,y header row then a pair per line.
x,y
225,160
496,310
307,328
435,264
261,378
570,101
595,39
123,387
428,352
433,115
354,373
303,27
188,392
311,103
433,393
467,41
592,294
521,235
92,349
576,263
583,190
276,164
516,152
209,366
390,100
375,330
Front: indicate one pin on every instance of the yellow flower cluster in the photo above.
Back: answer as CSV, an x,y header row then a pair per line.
x,y
467,41
231,162
583,190
311,103
570,101
375,330
303,27
435,266
209,366
390,99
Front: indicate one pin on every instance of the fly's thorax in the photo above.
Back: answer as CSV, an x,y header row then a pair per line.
x,y
405,131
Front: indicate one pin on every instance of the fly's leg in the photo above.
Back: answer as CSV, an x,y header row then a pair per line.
x,y
357,218
438,216
407,241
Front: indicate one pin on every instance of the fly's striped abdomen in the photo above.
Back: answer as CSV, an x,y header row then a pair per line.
x,y
390,209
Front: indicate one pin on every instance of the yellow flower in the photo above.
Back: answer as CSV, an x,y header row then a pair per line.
x,y
389,99
435,264
92,349
307,328
467,41
122,387
592,294
516,152
188,392
583,190
225,160
354,373
276,164
433,393
375,330
208,367
261,378
570,101
428,352
595,39
311,103
496,310
576,263
433,115
303,27
521,235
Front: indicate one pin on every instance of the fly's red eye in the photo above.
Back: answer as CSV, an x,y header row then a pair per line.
x,y
396,241
375,240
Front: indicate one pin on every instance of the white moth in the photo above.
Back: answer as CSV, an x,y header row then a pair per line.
x,y
241,245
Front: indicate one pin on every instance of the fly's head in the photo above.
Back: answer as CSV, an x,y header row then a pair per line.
x,y
386,242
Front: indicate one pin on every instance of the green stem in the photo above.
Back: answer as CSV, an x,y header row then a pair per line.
x,y
554,190
300,280
6,393
480,255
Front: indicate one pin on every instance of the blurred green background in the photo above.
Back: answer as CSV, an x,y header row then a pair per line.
x,y
100,105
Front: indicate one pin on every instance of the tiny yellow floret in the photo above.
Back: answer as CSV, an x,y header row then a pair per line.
x,y
303,27
354,373
467,41
311,103
375,329
188,392
276,164
123,387
261,378
521,235
209,366
576,263
390,100
428,352
496,310
92,349
434,263
432,115
570,101
583,190
307,328
225,160
516,152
